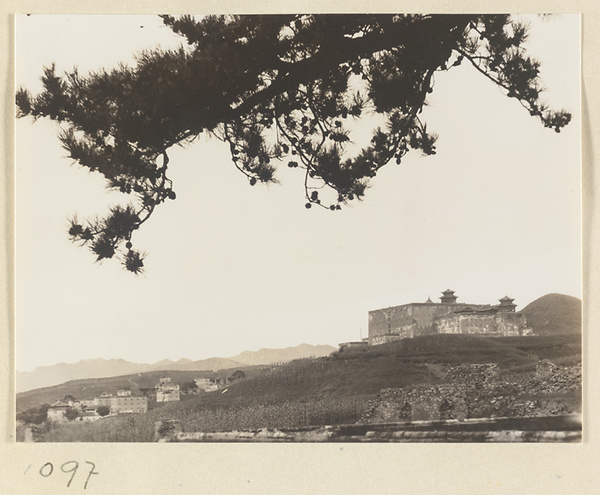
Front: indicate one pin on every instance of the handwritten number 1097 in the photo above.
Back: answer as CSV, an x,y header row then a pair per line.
x,y
68,467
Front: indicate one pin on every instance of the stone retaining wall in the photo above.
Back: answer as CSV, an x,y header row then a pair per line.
x,y
480,390
553,429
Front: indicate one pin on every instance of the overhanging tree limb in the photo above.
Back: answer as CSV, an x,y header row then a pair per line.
x,y
273,87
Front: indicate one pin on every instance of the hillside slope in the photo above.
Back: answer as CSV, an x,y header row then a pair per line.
x,y
363,373
554,314
359,373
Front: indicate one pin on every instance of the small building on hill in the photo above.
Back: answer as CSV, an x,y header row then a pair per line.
x,y
88,416
206,384
122,403
57,412
449,317
167,391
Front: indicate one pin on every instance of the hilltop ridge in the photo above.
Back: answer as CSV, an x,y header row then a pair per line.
x,y
554,314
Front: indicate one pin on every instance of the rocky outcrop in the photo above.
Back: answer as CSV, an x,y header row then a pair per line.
x,y
482,391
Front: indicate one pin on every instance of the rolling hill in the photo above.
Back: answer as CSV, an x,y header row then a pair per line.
x,y
554,314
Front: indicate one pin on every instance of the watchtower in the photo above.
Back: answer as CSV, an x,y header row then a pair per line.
x,y
507,305
448,297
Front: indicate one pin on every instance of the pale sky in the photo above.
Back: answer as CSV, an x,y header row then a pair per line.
x,y
232,267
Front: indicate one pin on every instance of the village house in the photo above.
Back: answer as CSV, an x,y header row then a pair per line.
x,y
167,391
206,384
88,416
57,412
122,403
72,402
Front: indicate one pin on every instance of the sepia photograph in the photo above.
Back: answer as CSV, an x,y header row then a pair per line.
x,y
285,228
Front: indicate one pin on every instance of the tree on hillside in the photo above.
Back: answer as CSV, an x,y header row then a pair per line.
x,y
34,415
103,410
71,413
237,375
277,89
149,392
189,387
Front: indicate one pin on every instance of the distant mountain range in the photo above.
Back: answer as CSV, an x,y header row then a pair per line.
x,y
269,356
46,376
554,314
